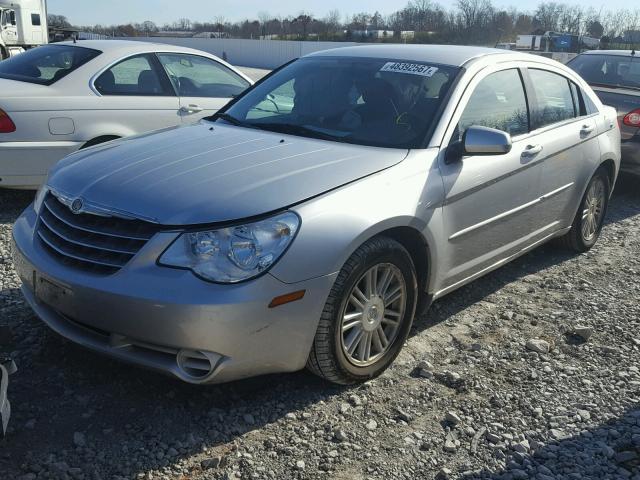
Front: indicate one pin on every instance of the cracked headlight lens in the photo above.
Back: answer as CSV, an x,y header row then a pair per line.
x,y
233,254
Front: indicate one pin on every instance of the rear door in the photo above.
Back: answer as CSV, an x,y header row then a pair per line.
x,y
568,137
203,85
490,207
136,95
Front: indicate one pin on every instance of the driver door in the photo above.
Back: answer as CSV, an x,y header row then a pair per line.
x,y
203,85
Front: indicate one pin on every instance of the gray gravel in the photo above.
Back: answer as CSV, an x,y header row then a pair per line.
x,y
531,372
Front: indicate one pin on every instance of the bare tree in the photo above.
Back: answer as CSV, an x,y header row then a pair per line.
x,y
332,21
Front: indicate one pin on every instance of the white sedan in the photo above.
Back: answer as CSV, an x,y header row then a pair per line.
x,y
59,98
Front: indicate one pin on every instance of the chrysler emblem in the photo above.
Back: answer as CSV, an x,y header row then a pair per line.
x,y
76,205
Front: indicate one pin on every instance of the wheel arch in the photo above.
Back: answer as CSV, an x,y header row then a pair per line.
x,y
610,167
418,247
98,140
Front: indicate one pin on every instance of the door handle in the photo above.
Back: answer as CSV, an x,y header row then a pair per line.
x,y
191,109
586,129
532,150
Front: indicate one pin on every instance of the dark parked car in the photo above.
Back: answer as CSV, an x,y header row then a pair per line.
x,y
615,77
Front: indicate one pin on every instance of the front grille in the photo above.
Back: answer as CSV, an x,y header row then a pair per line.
x,y
91,242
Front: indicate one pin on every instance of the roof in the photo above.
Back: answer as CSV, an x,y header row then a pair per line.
x,y
620,53
455,55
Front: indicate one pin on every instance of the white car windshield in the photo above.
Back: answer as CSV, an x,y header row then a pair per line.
x,y
368,101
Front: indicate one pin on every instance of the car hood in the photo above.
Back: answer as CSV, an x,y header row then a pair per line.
x,y
208,173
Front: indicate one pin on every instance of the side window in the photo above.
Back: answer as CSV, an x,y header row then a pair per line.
x,y
578,104
554,101
589,106
278,102
195,76
498,101
134,76
35,19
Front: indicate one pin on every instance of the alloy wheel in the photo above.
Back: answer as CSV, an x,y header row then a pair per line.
x,y
593,210
372,314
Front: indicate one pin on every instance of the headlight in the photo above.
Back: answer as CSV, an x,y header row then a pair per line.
x,y
233,254
39,199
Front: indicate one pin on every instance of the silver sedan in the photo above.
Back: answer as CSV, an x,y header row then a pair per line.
x,y
310,220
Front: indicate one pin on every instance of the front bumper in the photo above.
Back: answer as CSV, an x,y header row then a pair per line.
x,y
168,319
25,164
630,150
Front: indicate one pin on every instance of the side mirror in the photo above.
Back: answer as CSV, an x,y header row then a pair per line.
x,y
486,141
479,140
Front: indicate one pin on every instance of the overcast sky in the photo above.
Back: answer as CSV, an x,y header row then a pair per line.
x,y
88,12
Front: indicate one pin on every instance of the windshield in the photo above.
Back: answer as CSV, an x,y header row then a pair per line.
x,y
611,70
46,64
366,101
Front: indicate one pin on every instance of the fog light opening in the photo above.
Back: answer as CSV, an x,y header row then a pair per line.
x,y
195,364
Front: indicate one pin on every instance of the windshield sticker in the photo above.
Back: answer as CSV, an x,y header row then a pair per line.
x,y
410,68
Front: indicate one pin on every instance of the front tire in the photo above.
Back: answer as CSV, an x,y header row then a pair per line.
x,y
368,314
589,219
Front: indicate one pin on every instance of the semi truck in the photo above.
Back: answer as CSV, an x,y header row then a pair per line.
x,y
556,42
23,25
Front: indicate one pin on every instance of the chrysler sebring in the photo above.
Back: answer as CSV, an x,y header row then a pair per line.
x,y
307,222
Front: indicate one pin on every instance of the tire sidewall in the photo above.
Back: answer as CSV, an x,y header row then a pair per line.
x,y
400,258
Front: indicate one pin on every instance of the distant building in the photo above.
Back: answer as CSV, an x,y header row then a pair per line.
x,y
372,33
211,35
381,34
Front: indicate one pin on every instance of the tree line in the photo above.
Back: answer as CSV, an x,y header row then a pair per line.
x,y
467,21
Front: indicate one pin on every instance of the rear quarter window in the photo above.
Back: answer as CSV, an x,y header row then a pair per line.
x,y
47,64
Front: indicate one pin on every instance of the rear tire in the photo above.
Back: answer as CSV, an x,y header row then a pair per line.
x,y
591,214
368,314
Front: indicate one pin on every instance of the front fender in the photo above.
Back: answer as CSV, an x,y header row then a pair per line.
x,y
335,224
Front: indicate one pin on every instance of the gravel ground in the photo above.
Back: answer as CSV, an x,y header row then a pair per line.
x,y
531,372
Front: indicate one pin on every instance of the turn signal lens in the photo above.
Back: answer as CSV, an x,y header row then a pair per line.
x,y
6,124
288,298
632,119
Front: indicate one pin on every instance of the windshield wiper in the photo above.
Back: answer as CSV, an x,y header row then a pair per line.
x,y
613,86
300,130
230,119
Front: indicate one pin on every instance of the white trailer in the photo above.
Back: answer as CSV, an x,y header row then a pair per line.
x,y
528,42
23,25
